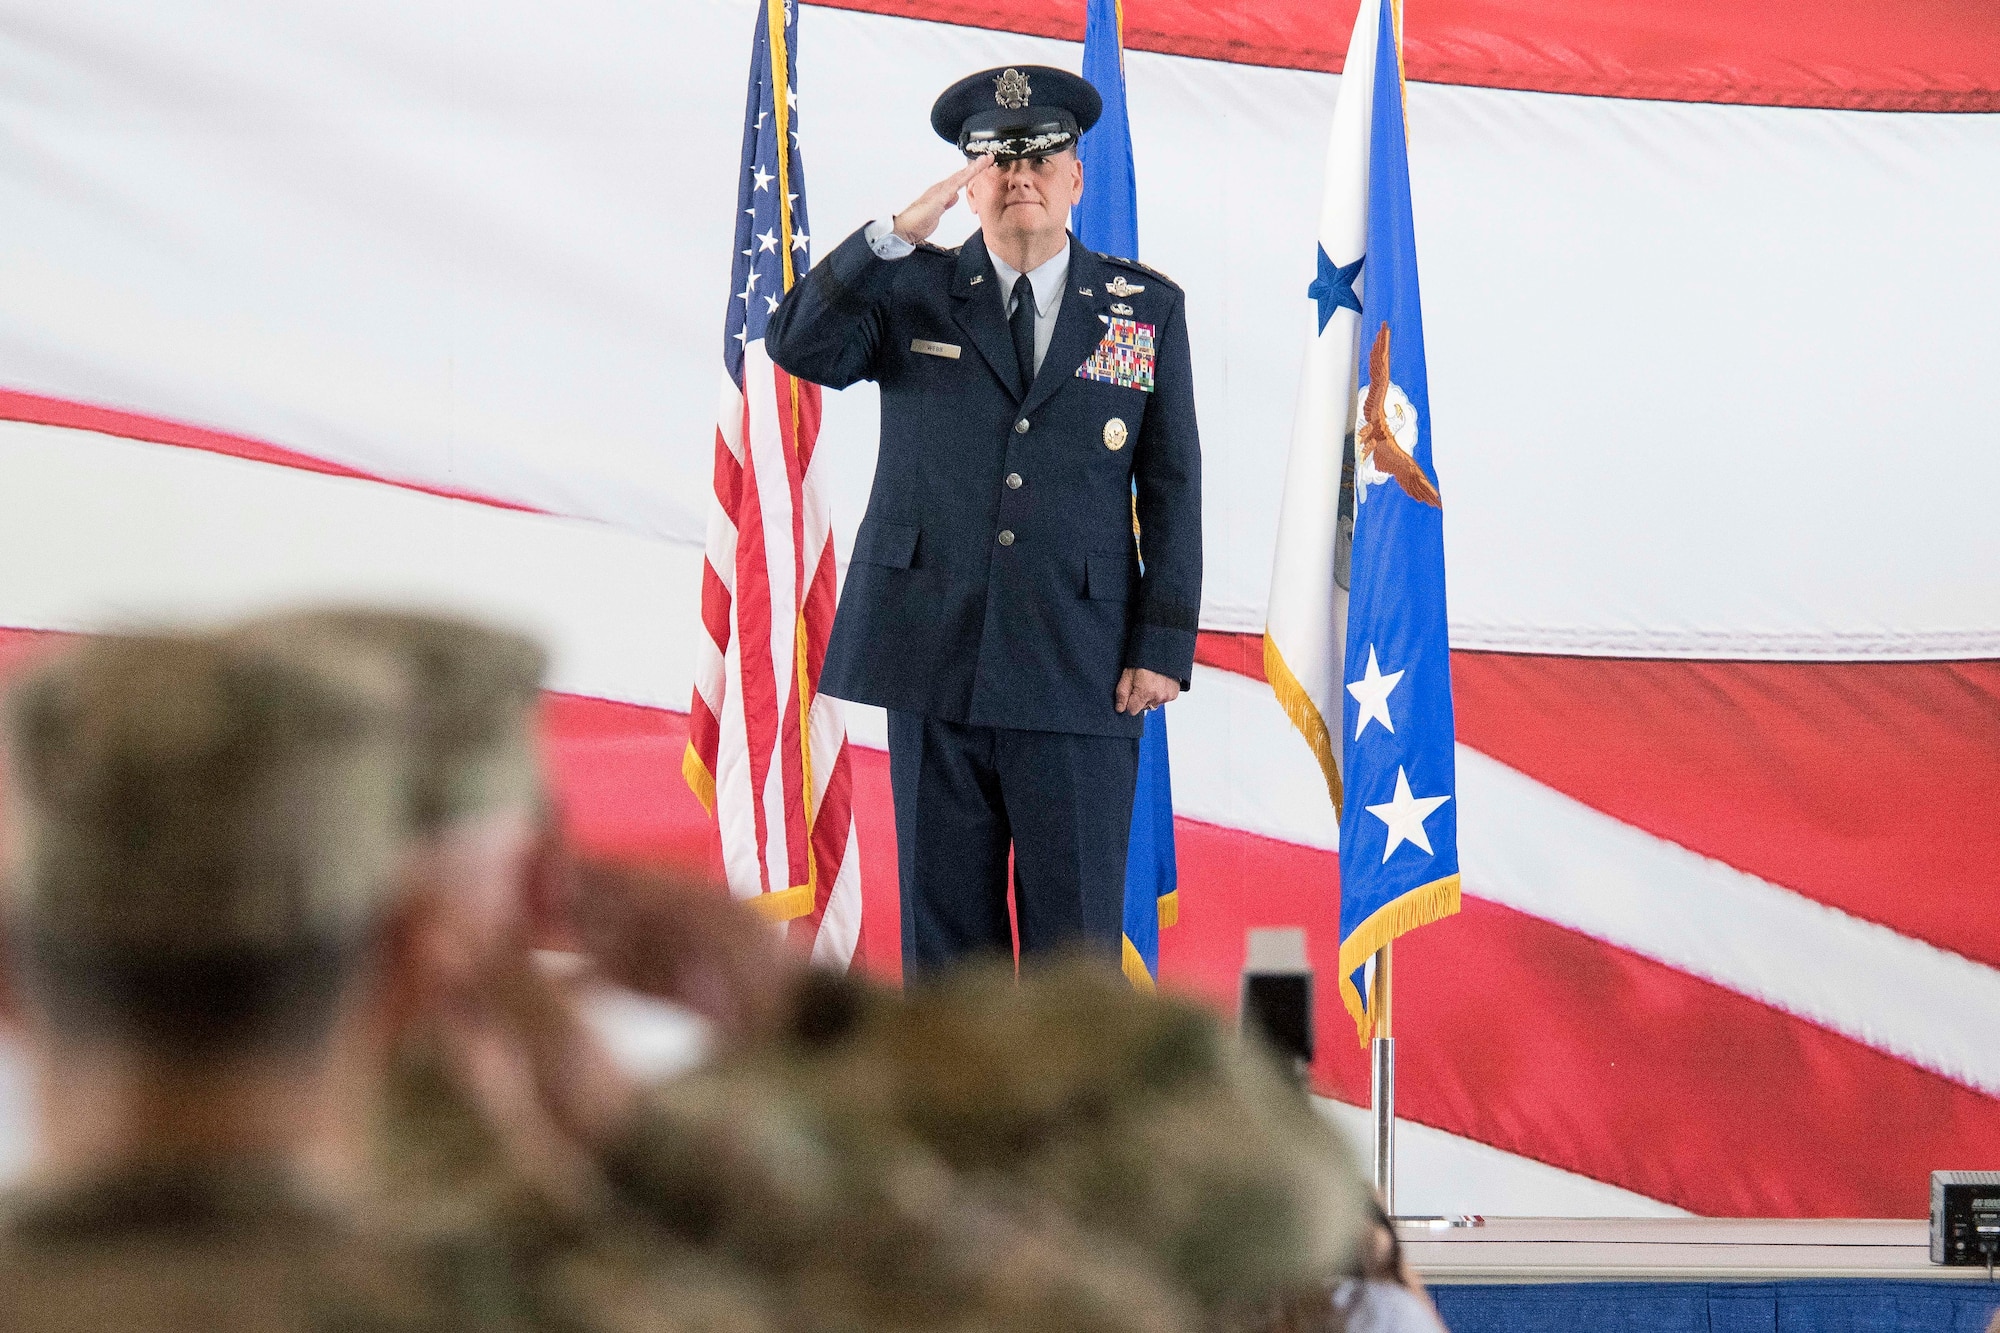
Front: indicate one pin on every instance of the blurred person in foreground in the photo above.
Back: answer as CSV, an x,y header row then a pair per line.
x,y
216,961
1059,1154
201,846
463,1159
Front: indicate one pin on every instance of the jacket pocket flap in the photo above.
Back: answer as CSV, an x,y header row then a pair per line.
x,y
893,545
1108,578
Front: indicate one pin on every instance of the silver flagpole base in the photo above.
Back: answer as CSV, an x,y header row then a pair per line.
x,y
1382,1099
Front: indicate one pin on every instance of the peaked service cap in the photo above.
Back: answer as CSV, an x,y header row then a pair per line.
x,y
180,795
1016,111
475,688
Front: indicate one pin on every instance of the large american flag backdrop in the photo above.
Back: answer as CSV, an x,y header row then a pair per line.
x,y
397,299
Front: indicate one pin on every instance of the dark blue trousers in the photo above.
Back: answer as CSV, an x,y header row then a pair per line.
x,y
965,794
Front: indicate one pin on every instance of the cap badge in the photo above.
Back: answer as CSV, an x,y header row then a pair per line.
x,y
1114,434
1010,89
1119,287
1120,308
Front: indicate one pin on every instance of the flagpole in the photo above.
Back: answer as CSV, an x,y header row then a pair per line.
x,y
1382,1084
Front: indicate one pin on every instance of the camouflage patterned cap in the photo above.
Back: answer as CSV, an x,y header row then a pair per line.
x,y
856,1227
1138,1118
476,687
186,796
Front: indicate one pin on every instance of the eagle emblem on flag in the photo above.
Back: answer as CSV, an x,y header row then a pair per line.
x,y
1378,455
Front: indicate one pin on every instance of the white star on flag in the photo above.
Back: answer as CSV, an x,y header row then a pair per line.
x,y
762,177
800,240
1405,816
1372,693
768,240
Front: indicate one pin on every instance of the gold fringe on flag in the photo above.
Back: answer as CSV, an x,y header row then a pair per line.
x,y
699,780
1419,907
1135,969
1304,713
784,905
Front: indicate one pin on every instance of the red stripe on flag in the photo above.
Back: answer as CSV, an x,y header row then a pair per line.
x,y
1868,786
1240,653
762,713
715,603
728,480
704,734
819,609
35,409
793,739
1876,55
1556,1046
831,824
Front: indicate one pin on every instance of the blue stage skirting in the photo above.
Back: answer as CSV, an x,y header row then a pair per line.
x,y
1720,1307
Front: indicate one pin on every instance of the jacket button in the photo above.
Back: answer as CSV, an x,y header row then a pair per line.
x,y
1006,536
1013,481
1021,426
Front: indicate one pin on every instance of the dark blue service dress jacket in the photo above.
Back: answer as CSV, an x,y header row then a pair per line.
x,y
995,579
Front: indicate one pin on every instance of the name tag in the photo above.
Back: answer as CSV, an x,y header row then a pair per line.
x,y
949,351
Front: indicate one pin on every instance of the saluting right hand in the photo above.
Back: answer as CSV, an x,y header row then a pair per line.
x,y
919,220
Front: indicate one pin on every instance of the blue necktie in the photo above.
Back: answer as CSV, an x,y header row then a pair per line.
x,y
1022,325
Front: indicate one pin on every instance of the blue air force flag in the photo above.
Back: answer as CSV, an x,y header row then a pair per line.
x,y
1107,220
1356,629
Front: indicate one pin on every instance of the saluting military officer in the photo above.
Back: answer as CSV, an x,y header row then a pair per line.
x,y
1037,405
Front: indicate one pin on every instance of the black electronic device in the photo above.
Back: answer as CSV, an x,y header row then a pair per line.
x,y
1278,993
1965,1218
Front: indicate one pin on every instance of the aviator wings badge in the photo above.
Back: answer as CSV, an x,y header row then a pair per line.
x,y
1119,287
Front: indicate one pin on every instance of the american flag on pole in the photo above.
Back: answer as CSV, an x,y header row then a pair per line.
x,y
766,754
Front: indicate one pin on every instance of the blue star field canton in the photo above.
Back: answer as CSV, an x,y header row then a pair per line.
x,y
772,247
1333,289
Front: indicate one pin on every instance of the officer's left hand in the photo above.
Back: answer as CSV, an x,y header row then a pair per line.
x,y
1140,690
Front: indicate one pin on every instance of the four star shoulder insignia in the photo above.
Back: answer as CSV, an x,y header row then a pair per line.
x,y
1138,267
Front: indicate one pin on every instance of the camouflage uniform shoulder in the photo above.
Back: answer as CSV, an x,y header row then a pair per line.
x,y
1136,267
231,1251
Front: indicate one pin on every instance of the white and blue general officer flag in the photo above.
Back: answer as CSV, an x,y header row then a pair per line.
x,y
1357,627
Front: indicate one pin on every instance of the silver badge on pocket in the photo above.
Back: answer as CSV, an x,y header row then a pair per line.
x,y
949,351
1114,434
